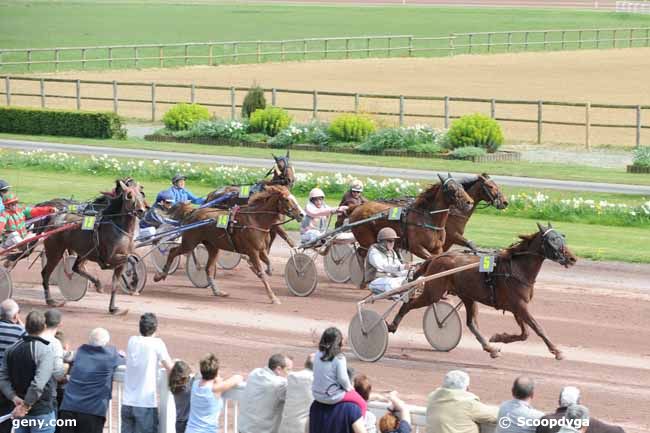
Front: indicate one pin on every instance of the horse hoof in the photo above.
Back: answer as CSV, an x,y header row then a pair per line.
x,y
157,278
269,272
495,354
275,301
559,356
54,304
221,294
392,328
99,289
118,311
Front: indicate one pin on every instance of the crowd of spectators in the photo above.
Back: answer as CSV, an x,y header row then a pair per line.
x,y
42,380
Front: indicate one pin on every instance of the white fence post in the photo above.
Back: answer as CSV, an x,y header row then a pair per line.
x,y
274,96
42,86
539,122
233,104
8,90
446,112
315,105
78,93
401,110
638,126
153,102
115,100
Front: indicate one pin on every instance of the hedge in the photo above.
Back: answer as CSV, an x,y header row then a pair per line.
x,y
88,124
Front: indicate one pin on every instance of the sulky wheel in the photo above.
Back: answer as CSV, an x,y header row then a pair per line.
x,y
442,326
6,285
357,275
228,259
197,260
370,345
159,255
134,276
337,262
300,274
71,285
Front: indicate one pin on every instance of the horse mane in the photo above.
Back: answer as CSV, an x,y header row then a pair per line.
x,y
427,196
470,181
271,192
518,247
180,211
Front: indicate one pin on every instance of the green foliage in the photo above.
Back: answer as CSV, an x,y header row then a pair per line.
x,y
475,130
642,157
270,120
351,127
89,124
254,100
182,116
419,138
467,152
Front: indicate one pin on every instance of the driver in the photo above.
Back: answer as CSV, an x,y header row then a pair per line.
x,y
317,212
4,189
157,214
179,193
384,268
12,219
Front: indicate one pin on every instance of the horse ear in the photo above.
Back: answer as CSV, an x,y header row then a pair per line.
x,y
448,175
549,225
122,185
440,177
540,227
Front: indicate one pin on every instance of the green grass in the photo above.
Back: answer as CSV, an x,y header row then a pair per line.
x,y
588,241
525,169
74,23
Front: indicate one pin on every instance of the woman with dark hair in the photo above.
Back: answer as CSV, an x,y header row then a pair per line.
x,y
181,387
331,381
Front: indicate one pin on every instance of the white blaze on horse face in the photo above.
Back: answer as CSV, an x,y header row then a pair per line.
x,y
293,200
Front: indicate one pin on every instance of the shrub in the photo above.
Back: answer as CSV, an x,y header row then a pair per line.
x,y
270,120
89,124
351,127
426,148
467,152
642,157
218,128
288,136
414,138
182,116
254,100
475,130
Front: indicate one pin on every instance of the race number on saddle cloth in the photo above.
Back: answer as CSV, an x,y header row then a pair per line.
x,y
317,213
12,219
179,193
384,268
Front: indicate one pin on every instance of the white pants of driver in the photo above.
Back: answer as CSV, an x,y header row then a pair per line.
x,y
384,284
311,235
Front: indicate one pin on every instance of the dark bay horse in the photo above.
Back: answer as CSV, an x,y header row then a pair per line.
x,y
108,244
247,232
422,230
509,287
481,189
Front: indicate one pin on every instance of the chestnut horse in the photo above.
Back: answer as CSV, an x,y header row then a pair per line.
x,y
425,234
108,244
509,287
481,189
248,232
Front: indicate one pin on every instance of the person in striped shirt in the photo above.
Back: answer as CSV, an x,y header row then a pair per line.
x,y
12,219
4,189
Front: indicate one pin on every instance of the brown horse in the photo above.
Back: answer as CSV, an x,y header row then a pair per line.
x,y
108,244
481,189
248,232
509,287
424,231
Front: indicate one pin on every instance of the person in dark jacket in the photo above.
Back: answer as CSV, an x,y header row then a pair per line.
x,y
12,329
353,197
90,385
26,377
568,396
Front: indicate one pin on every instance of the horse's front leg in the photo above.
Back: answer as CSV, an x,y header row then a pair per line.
x,y
256,267
118,270
280,231
53,258
267,261
523,314
79,267
210,269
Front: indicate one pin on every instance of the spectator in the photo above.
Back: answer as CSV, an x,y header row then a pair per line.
x,y
206,402
296,406
363,387
568,396
90,387
331,381
52,323
263,400
576,419
68,358
519,408
26,376
11,330
180,385
453,409
398,420
144,354
344,417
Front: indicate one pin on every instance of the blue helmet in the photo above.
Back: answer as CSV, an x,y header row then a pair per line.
x,y
166,195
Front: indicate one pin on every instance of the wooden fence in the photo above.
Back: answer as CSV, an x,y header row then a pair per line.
x,y
232,52
112,92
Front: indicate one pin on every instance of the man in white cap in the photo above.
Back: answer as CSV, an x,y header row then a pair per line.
x,y
384,267
317,213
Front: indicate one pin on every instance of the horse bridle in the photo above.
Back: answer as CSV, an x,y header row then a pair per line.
x,y
493,198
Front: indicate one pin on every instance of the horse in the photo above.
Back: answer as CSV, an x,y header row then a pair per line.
x,y
481,189
108,244
422,224
248,232
509,287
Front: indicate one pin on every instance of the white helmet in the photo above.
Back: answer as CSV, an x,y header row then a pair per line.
x,y
356,185
316,192
386,233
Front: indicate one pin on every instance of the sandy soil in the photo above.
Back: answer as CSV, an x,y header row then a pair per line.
x,y
605,76
596,312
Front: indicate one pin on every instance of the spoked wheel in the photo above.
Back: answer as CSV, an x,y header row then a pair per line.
x,y
357,273
159,255
228,259
300,274
442,326
71,285
370,345
134,276
195,265
6,285
337,262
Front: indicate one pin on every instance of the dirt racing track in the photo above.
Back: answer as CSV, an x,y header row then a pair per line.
x,y
596,312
